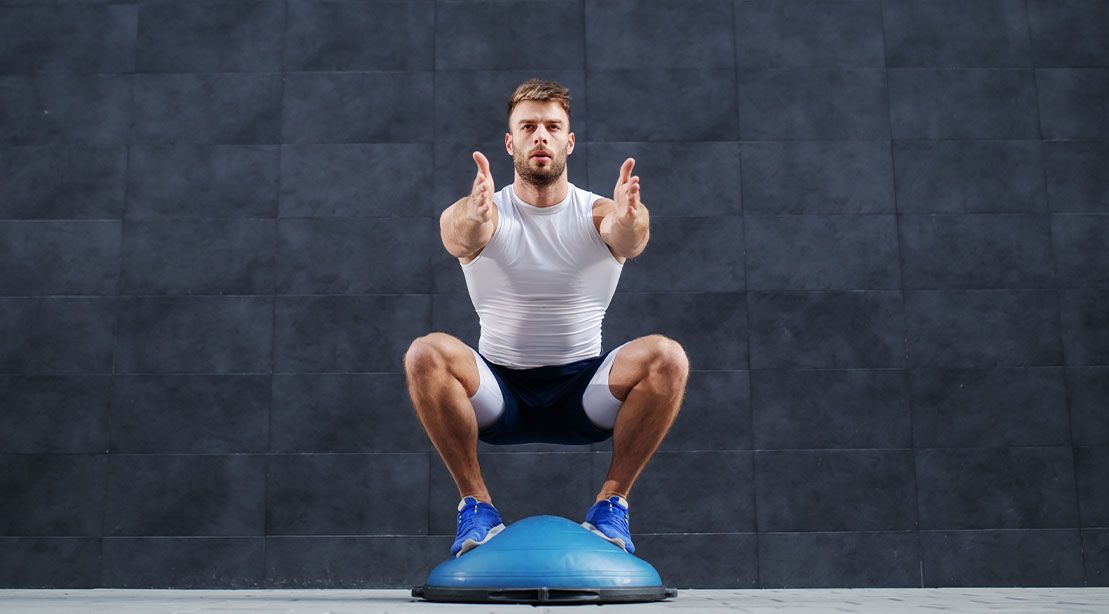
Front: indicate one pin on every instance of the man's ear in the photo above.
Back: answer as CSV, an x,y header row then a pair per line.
x,y
570,139
508,143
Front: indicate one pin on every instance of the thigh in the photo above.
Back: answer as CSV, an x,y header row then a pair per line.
x,y
599,402
489,400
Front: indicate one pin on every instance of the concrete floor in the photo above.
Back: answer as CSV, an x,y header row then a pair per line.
x,y
868,601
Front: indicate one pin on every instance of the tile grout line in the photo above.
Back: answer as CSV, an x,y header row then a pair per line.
x,y
1058,305
378,219
585,82
399,373
267,457
585,145
137,536
746,301
553,451
781,68
462,293
105,485
906,376
429,456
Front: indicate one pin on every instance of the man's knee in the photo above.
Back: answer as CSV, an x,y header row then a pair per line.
x,y
430,352
440,353
669,357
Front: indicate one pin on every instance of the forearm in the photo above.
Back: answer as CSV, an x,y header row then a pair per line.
x,y
460,234
630,241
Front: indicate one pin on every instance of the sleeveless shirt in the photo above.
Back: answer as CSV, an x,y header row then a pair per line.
x,y
542,284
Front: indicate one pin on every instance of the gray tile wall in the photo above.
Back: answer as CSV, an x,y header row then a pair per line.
x,y
880,230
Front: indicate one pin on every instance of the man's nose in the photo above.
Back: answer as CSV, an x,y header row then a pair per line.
x,y
540,135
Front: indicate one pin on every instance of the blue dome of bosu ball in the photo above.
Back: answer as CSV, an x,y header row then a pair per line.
x,y
545,559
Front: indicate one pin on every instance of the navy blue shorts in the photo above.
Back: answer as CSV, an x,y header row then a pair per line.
x,y
544,405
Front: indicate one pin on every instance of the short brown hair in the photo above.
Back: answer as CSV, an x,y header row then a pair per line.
x,y
540,90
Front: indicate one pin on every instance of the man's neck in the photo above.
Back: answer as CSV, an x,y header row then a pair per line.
x,y
541,196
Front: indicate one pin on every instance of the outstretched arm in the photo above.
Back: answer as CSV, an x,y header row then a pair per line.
x,y
468,224
626,228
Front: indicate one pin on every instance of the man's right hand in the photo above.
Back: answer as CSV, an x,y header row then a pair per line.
x,y
479,207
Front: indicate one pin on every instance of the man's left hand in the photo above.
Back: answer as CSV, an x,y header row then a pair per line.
x,y
626,195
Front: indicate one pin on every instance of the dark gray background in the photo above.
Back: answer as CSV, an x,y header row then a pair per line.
x,y
879,229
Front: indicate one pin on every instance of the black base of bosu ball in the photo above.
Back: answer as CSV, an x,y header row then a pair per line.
x,y
545,559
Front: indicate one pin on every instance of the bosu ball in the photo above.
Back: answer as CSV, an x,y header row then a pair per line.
x,y
545,559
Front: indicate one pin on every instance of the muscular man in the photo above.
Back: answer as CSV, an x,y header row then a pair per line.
x,y
542,259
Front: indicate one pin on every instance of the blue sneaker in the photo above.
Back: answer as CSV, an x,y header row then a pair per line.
x,y
478,522
609,519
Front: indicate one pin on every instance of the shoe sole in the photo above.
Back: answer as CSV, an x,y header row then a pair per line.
x,y
614,540
470,544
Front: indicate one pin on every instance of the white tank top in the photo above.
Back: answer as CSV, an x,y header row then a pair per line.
x,y
543,282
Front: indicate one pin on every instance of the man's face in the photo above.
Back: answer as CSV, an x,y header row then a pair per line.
x,y
539,141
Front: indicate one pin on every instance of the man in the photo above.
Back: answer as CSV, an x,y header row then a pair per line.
x,y
542,259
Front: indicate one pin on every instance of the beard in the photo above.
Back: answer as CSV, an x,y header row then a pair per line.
x,y
543,176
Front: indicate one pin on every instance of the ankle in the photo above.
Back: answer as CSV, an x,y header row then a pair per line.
x,y
605,494
481,497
